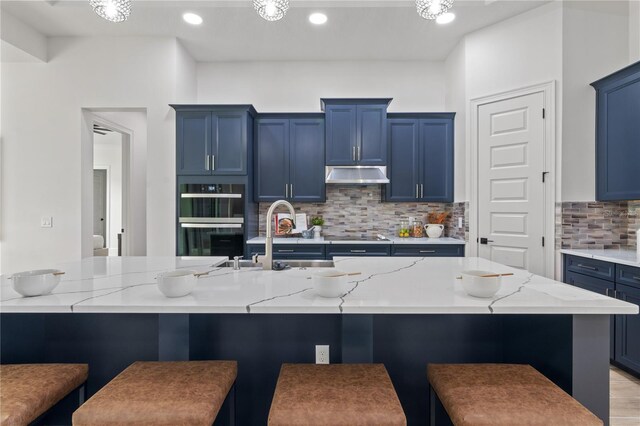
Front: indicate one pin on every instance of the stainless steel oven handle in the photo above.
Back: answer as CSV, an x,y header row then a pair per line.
x,y
208,195
212,225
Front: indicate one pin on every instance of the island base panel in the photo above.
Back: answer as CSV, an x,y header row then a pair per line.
x,y
570,351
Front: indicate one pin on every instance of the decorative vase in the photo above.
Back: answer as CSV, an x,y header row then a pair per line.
x,y
317,232
434,230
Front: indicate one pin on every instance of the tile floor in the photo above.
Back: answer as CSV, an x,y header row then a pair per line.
x,y
625,398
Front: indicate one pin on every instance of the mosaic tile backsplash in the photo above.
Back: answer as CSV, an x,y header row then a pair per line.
x,y
358,212
598,225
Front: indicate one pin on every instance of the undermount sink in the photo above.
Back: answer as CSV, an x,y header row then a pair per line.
x,y
291,263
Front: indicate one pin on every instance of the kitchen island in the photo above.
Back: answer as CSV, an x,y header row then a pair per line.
x,y
403,312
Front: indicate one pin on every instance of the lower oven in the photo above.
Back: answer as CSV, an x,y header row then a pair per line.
x,y
210,239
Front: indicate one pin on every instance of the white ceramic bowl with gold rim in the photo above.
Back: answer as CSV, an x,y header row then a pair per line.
x,y
476,285
37,282
331,283
178,283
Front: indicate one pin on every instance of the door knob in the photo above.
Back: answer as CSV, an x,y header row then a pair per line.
x,y
485,241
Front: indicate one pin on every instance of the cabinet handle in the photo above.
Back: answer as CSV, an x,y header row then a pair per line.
x,y
213,162
606,292
421,191
284,251
290,190
358,251
353,153
591,268
358,154
427,251
286,190
206,162
635,277
416,191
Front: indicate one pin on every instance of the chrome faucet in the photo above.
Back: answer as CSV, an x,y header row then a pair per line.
x,y
267,263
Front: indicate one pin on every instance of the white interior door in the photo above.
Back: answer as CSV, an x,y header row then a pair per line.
x,y
511,198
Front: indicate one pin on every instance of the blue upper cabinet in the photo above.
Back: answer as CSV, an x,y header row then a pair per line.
x,y
421,149
618,135
356,131
213,139
289,161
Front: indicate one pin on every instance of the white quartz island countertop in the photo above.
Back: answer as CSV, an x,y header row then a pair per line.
x,y
387,285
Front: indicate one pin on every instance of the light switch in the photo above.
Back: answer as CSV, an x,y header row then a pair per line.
x,y
46,222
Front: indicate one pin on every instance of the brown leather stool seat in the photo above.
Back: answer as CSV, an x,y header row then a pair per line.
x,y
335,394
161,393
29,390
504,394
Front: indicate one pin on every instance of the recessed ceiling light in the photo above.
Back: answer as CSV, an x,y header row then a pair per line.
x,y
318,18
192,18
445,18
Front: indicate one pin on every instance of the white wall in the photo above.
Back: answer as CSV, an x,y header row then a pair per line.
x,y
456,101
298,86
107,154
634,30
594,44
41,131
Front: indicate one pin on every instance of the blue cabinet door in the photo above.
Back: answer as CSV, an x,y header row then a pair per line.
x,y
371,145
306,160
229,147
272,159
403,165
617,130
193,142
436,160
341,134
628,330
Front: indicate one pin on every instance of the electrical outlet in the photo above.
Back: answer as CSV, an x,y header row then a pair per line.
x,y
459,222
46,222
322,354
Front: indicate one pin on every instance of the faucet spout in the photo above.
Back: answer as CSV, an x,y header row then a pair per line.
x,y
267,263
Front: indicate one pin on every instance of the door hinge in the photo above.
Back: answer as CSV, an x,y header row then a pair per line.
x,y
542,241
543,113
544,174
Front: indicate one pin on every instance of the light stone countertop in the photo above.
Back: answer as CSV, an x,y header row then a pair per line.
x,y
391,240
622,257
387,285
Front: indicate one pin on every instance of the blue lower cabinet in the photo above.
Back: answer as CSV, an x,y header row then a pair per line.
x,y
613,280
291,251
627,338
358,250
427,250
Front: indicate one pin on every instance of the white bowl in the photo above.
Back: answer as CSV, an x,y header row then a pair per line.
x,y
177,283
476,285
331,283
36,283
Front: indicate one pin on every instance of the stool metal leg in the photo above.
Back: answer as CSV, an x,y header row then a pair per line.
x,y
432,407
232,405
82,395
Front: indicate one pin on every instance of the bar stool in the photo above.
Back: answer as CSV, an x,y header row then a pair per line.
x,y
503,394
29,390
163,393
335,394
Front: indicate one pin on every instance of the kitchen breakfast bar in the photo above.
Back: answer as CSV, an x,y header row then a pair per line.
x,y
402,312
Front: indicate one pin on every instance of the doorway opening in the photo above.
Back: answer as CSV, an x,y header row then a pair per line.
x,y
109,205
114,146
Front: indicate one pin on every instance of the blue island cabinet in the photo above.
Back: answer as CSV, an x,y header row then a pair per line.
x,y
213,140
356,131
618,135
289,162
421,148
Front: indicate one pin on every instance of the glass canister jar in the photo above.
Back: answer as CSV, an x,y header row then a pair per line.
x,y
416,230
403,229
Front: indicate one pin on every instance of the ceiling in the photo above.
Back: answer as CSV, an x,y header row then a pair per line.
x,y
232,31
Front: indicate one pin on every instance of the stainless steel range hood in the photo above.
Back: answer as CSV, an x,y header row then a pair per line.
x,y
359,175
